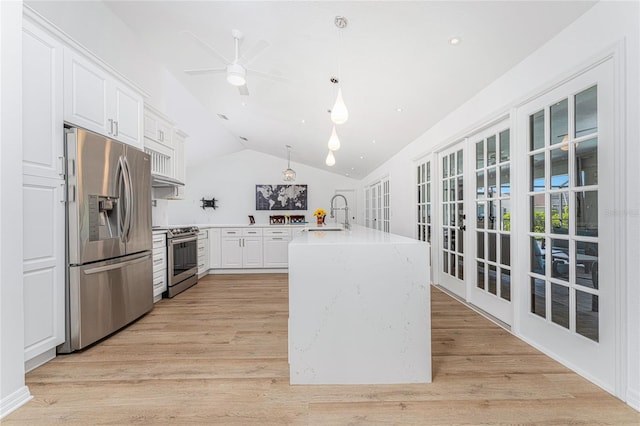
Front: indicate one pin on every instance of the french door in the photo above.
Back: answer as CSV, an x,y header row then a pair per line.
x,y
568,278
451,258
489,287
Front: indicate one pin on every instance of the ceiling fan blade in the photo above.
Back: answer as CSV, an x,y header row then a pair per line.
x,y
248,57
207,46
268,76
243,90
200,71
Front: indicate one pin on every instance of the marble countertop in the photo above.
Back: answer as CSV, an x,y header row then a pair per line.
x,y
356,235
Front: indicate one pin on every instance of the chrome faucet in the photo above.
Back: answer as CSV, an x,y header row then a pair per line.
x,y
345,208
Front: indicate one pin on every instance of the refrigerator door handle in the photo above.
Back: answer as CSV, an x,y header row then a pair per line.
x,y
99,269
122,204
129,195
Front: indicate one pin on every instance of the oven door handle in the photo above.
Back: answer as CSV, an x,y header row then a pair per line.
x,y
183,240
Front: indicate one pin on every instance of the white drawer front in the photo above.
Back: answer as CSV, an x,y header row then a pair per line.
x,y
277,232
159,240
231,232
252,232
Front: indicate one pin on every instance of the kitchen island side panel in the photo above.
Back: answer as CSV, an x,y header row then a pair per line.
x,y
359,313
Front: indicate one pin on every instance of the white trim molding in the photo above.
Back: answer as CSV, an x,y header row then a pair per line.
x,y
14,401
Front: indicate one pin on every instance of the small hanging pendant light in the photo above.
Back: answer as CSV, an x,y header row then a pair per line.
x,y
288,174
334,142
331,160
339,112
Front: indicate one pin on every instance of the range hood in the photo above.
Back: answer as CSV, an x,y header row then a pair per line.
x,y
160,181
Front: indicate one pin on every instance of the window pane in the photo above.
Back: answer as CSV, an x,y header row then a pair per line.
x,y
461,267
480,215
460,188
587,162
480,154
505,180
586,264
480,245
445,190
587,112
505,250
536,130
560,305
560,213
429,171
428,192
445,238
491,182
559,169
560,259
559,122
505,215
480,275
587,315
452,264
445,262
537,172
505,149
460,223
480,184
491,151
491,223
452,240
452,164
538,296
587,213
505,284
460,162
429,234
537,213
492,246
445,214
492,280
452,189
428,213
445,166
538,264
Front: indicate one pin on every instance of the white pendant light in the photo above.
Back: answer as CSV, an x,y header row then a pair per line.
x,y
331,160
334,142
288,174
339,112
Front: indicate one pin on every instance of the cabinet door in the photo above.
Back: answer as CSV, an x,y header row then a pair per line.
x,y
85,93
276,252
43,264
42,130
231,252
203,255
215,260
126,113
252,253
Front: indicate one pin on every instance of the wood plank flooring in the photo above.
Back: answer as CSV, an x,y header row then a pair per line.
x,y
217,354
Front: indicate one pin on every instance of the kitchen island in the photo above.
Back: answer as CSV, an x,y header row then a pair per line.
x,y
359,308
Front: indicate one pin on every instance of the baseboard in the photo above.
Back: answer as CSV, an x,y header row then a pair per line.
x,y
249,271
14,401
633,399
39,360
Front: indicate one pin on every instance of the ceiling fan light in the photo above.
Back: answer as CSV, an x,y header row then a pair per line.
x,y
236,75
331,160
334,142
339,112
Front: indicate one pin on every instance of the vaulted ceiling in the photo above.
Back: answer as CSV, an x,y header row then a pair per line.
x,y
398,71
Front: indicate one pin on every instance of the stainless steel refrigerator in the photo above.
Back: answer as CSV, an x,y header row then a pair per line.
x,y
110,268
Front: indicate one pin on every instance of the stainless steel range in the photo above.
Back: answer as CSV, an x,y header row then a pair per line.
x,y
182,253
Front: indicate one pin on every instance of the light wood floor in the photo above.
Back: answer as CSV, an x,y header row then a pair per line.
x,y
217,354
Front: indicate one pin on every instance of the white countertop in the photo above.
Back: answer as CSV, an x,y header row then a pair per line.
x,y
356,235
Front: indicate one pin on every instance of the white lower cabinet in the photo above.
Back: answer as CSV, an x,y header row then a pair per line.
x,y
242,248
215,258
276,248
159,264
203,252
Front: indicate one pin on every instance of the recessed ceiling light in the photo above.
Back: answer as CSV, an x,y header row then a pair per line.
x,y
454,40
346,174
399,109
362,157
244,104
373,141
224,117
353,168
303,121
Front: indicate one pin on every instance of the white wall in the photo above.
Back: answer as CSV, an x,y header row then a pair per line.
x,y
232,179
13,391
606,24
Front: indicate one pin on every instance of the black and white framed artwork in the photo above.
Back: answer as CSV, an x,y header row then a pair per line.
x,y
281,197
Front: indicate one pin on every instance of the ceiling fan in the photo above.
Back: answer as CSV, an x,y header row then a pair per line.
x,y
236,70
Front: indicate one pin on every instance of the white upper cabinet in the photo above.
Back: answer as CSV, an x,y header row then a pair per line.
x,y
98,101
42,130
157,127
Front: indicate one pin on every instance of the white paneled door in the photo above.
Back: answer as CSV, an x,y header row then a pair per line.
x,y
569,235
451,256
